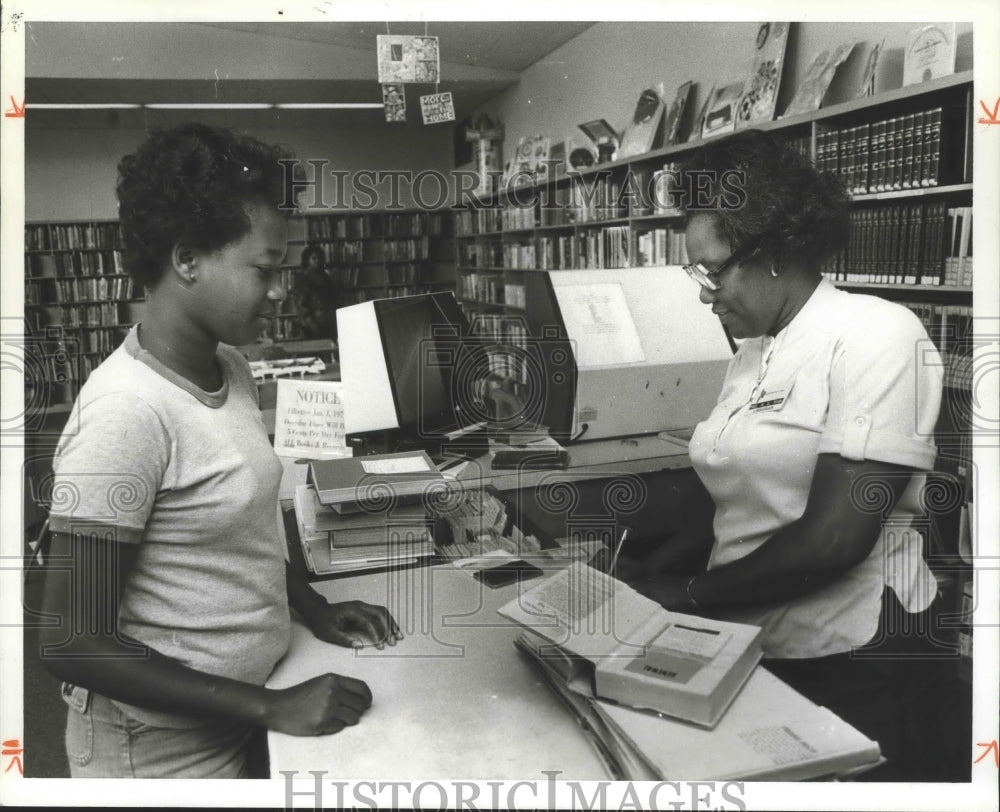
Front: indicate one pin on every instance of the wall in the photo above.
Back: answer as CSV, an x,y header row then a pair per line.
x,y
70,171
600,73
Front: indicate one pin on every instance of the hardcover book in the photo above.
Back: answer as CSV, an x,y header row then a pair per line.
x,y
642,655
353,484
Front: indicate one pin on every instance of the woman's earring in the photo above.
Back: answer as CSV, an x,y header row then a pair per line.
x,y
774,271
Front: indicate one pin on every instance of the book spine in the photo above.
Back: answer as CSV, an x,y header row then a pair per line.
x,y
934,148
906,174
862,150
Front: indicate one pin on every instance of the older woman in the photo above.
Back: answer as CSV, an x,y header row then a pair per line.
x,y
826,413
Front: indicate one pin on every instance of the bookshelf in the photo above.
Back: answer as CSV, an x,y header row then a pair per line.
x,y
906,157
377,254
80,303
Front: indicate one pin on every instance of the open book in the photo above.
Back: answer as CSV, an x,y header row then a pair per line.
x,y
770,733
642,655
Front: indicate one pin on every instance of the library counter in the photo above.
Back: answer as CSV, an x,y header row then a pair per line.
x,y
453,700
456,699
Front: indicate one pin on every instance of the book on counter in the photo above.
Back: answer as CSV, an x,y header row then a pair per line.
x,y
334,543
641,655
349,484
800,740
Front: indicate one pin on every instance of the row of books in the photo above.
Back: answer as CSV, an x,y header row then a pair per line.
x,y
341,227
600,248
660,246
481,287
958,262
73,263
480,254
61,236
599,199
474,221
413,248
521,256
904,244
902,152
411,224
106,314
87,289
518,217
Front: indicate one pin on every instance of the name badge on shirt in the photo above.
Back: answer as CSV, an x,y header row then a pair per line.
x,y
770,400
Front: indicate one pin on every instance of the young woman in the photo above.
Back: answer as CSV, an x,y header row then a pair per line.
x,y
166,565
827,411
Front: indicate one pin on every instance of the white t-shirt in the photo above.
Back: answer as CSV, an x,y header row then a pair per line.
x,y
852,375
190,477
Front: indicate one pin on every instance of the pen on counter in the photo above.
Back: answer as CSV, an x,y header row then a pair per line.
x,y
618,549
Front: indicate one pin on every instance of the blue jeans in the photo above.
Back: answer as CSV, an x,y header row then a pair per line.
x,y
104,742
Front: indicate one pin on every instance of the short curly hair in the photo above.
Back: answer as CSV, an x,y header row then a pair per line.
x,y
766,195
191,184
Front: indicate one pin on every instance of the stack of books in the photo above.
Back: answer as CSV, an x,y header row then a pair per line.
x,y
334,542
365,512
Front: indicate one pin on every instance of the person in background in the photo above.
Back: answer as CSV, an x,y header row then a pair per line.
x,y
825,420
172,585
316,295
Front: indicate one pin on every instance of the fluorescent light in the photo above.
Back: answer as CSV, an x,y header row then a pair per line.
x,y
209,106
101,106
330,105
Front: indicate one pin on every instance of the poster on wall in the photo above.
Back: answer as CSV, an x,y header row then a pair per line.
x,y
761,93
394,102
437,107
405,58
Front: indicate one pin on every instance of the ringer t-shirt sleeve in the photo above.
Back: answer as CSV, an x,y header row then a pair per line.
x,y
885,392
108,472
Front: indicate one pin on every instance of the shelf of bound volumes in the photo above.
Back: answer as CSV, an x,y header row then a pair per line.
x,y
378,254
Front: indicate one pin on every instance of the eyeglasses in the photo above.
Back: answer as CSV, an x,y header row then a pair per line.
x,y
710,279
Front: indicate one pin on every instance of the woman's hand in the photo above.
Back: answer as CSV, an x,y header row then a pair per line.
x,y
319,706
353,624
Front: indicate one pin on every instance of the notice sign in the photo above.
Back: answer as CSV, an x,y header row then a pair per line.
x,y
404,58
437,107
309,419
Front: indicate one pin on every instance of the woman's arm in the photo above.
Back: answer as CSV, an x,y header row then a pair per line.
x,y
837,531
350,623
83,590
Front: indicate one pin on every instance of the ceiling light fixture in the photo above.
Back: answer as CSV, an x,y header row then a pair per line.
x,y
101,106
208,106
330,105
